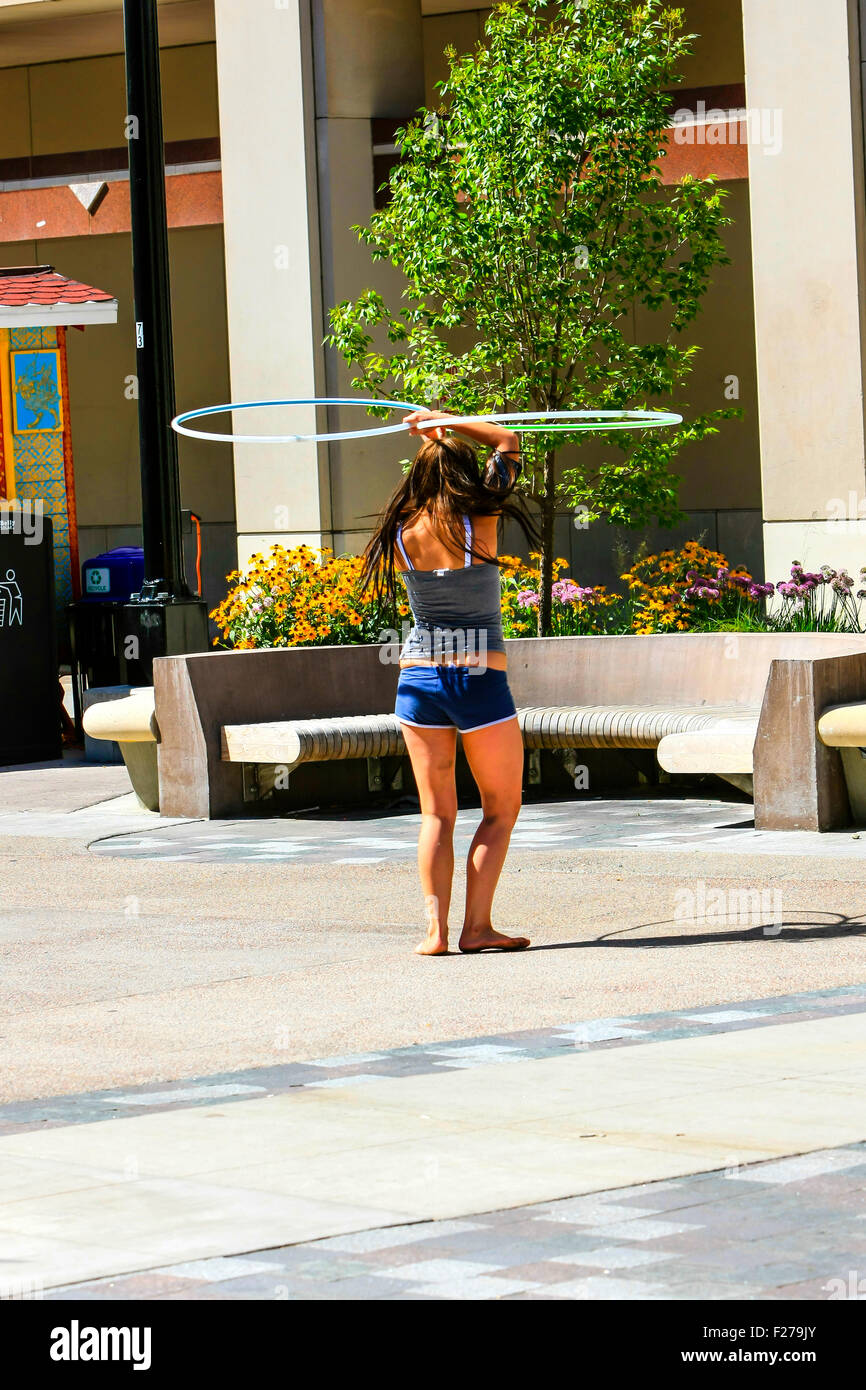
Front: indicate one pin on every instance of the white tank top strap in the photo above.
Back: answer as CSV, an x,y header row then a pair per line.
x,y
401,547
467,553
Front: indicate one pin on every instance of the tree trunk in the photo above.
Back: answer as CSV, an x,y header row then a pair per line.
x,y
548,517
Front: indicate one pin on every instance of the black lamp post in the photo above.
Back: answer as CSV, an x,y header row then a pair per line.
x,y
165,618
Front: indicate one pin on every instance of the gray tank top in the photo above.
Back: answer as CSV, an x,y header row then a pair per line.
x,y
456,613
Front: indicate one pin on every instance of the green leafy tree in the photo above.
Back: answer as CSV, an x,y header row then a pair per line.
x,y
530,221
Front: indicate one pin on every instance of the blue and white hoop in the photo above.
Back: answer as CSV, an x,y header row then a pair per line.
x,y
179,423
520,422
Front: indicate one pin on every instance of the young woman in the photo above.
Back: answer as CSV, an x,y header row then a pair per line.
x,y
439,531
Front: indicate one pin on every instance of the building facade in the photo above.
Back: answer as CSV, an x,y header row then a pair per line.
x,y
279,120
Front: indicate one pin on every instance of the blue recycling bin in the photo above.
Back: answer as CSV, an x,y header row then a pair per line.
x,y
113,576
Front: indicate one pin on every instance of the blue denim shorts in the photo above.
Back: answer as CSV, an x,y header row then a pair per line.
x,y
447,697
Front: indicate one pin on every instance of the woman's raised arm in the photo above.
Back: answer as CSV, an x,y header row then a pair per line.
x,y
496,438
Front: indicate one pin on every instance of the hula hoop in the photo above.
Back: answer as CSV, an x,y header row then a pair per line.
x,y
555,420
601,420
178,424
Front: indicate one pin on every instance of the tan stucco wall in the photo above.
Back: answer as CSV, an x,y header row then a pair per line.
x,y
52,108
716,61
460,31
724,471
104,421
717,58
15,108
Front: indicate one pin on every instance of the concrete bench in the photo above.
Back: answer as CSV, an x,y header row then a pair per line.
x,y
844,727
289,743
714,693
725,749
130,721
286,744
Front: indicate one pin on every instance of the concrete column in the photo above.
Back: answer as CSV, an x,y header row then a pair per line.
x,y
369,64
299,81
807,216
273,271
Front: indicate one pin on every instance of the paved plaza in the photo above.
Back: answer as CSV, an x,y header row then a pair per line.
x,y
226,1075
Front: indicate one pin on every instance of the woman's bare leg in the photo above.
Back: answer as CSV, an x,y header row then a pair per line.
x,y
495,757
432,753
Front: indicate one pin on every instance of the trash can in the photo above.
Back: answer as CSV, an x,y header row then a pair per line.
x,y
95,627
30,694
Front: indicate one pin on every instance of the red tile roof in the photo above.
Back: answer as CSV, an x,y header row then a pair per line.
x,y
42,286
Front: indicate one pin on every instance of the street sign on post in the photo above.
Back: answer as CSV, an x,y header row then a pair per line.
x,y
150,630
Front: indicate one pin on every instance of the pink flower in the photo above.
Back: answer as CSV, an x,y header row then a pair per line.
x,y
566,591
527,598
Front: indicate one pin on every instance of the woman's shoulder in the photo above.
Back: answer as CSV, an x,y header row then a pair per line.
x,y
485,534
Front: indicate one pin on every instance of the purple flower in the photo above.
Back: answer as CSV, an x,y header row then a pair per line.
x,y
566,591
527,598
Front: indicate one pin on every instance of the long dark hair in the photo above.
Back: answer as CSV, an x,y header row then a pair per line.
x,y
446,479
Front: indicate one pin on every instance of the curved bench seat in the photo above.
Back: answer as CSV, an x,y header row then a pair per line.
x,y
619,726
295,741
724,749
130,721
843,726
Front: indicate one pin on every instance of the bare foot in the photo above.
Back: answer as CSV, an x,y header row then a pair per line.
x,y
486,939
435,944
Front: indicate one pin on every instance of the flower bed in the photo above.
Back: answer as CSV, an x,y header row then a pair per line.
x,y
303,597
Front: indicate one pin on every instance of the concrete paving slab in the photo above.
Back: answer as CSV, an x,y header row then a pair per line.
x,y
69,784
130,971
439,1146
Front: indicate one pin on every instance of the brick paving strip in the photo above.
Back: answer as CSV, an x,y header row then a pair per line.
x,y
88,1107
792,1228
